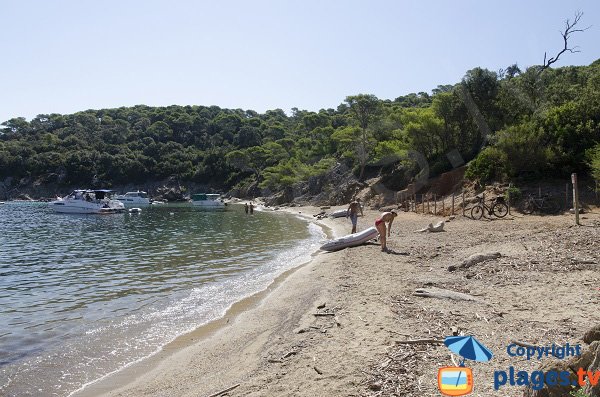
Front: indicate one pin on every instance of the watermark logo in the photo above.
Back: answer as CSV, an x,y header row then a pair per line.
x,y
458,381
455,381
537,380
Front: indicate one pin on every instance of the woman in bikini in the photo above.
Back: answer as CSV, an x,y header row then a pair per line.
x,y
380,225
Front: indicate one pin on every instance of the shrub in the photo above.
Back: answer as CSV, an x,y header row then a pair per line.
x,y
593,157
489,165
515,194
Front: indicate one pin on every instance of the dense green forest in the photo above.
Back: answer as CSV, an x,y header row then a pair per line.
x,y
507,124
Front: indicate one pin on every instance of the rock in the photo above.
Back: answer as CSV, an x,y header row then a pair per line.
x,y
375,386
589,360
592,335
170,194
24,197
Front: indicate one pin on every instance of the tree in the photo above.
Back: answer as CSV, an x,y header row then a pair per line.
x,y
566,34
365,109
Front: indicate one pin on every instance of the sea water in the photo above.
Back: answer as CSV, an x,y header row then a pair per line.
x,y
82,296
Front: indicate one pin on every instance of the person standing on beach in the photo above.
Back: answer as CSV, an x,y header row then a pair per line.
x,y
381,228
246,208
352,213
251,207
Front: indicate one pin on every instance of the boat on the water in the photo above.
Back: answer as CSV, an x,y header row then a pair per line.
x,y
88,202
134,199
208,200
351,240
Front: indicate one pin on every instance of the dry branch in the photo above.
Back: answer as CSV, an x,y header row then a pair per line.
x,y
569,30
224,391
420,341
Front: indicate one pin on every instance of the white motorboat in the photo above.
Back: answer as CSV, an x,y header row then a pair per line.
x,y
88,202
351,240
134,199
208,200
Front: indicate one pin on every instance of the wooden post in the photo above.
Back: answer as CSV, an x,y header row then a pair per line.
x,y
428,199
435,204
539,192
483,201
452,203
508,197
463,194
575,197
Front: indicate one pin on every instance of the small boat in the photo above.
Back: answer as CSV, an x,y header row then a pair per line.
x,y
351,240
135,210
208,200
88,202
134,199
339,213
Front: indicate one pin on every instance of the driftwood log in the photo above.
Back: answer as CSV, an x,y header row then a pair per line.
x,y
438,227
474,259
444,294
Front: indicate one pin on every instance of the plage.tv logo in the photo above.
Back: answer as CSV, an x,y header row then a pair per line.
x,y
458,381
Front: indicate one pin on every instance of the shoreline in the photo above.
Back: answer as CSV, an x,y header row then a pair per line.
x,y
278,346
121,378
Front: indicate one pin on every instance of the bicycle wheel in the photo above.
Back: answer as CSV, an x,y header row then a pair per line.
x,y
500,210
477,212
528,207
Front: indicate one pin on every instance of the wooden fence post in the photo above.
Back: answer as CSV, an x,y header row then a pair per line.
x,y
452,203
575,197
508,197
428,199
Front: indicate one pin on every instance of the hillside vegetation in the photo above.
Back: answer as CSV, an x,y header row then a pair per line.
x,y
507,124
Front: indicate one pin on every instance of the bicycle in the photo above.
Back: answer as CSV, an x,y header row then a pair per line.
x,y
498,208
543,204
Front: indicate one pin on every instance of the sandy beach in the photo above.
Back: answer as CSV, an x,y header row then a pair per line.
x,y
542,289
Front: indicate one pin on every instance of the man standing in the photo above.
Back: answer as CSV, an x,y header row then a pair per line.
x,y
352,213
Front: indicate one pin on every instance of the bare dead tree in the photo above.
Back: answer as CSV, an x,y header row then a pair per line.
x,y
569,30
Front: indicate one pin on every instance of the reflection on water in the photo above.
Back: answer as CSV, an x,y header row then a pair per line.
x,y
82,295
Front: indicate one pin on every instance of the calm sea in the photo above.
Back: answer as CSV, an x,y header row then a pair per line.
x,y
84,295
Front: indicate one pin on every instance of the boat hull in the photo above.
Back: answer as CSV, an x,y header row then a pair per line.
x,y
130,203
350,240
339,213
209,204
81,207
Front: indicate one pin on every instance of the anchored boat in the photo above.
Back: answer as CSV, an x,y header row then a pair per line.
x,y
134,199
88,202
208,200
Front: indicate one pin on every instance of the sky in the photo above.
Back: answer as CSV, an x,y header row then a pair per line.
x,y
64,56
